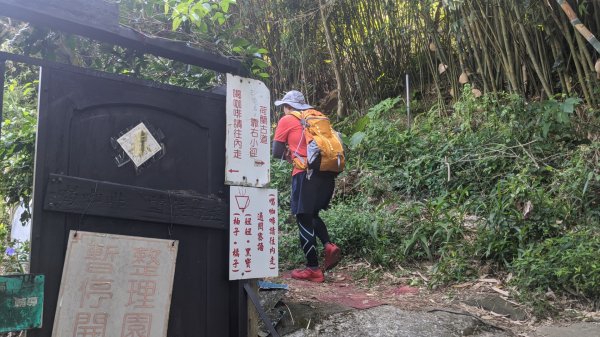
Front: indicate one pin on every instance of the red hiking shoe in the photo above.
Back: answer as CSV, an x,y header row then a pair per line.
x,y
333,255
308,274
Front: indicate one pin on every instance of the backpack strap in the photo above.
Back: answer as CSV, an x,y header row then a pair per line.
x,y
299,115
296,114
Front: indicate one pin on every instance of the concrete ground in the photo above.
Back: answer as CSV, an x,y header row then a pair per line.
x,y
344,307
315,319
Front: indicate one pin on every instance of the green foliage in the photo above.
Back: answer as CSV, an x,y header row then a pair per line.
x,y
496,181
13,255
557,115
211,20
200,13
17,143
371,233
439,225
569,263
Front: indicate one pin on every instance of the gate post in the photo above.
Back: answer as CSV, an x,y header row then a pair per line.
x,y
252,313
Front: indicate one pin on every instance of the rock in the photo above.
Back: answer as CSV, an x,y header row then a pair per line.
x,y
573,330
301,315
391,321
498,305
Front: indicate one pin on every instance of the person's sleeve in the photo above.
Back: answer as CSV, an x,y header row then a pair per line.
x,y
280,139
279,150
283,130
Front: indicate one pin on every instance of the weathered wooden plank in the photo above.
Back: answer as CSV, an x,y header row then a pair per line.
x,y
85,196
96,19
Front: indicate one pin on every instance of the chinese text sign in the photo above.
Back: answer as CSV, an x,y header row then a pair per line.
x,y
253,250
248,132
115,286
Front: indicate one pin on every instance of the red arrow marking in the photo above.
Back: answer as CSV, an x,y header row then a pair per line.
x,y
259,162
232,170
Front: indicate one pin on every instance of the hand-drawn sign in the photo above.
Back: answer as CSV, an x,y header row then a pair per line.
x,y
253,233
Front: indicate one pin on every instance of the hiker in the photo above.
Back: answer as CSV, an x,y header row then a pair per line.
x,y
311,192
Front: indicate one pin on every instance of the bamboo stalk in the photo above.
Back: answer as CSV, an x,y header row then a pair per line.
x,y
536,65
508,57
335,61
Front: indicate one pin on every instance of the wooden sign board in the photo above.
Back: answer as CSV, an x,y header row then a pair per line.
x,y
115,285
21,302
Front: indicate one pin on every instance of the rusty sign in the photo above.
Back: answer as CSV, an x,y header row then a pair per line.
x,y
115,285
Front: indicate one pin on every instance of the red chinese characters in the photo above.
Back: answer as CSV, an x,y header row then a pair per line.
x,y
136,325
264,125
235,258
96,291
237,124
260,246
142,291
89,324
272,231
254,137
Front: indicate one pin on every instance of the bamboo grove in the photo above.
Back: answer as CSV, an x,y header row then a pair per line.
x,y
362,49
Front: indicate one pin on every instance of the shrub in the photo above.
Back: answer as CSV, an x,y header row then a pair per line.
x,y
570,264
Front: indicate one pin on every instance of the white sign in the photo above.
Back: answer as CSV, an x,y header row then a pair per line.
x,y
253,250
248,132
139,144
115,285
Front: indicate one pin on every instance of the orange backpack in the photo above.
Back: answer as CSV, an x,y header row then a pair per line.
x,y
324,148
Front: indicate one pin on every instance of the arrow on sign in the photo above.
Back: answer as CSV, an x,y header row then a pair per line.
x,y
232,170
259,163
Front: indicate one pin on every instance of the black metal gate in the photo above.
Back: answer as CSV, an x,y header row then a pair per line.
x,y
84,182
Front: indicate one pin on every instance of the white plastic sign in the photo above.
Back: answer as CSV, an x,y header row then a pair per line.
x,y
253,250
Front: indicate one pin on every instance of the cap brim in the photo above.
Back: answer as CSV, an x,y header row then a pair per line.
x,y
294,105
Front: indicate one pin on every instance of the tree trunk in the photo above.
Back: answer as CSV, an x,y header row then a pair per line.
x,y
334,60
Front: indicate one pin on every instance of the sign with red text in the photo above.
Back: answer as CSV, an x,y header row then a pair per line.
x,y
253,250
115,285
248,156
